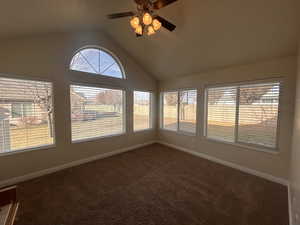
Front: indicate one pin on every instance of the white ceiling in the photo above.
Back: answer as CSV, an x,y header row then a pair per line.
x,y
209,34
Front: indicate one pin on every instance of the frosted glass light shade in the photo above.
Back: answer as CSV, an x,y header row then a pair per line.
x,y
156,24
139,30
147,19
135,22
151,30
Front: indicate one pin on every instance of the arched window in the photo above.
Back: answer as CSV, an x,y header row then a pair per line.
x,y
97,61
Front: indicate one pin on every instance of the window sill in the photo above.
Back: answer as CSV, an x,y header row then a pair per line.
x,y
180,132
143,130
245,146
97,138
43,147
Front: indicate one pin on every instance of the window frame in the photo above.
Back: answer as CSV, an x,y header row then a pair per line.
x,y
151,111
237,85
161,121
100,48
39,147
96,85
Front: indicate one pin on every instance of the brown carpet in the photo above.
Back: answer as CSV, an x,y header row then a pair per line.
x,y
154,185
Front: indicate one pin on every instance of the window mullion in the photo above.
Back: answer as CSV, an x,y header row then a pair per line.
x,y
236,129
178,108
162,96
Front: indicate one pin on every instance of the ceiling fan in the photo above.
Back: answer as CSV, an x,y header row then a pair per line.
x,y
145,20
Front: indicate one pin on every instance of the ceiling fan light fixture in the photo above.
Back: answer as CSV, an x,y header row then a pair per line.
x,y
139,30
156,24
147,19
150,30
135,22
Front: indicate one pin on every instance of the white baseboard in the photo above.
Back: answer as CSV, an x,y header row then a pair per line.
x,y
290,204
40,173
229,164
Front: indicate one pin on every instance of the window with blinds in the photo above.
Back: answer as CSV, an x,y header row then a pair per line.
x,y
221,111
258,114
26,114
245,114
170,110
141,110
96,112
179,111
187,111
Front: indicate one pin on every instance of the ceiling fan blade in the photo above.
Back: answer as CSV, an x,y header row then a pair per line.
x,y
162,3
120,15
165,23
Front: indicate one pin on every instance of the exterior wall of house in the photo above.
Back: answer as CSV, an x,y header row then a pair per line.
x,y
47,57
276,164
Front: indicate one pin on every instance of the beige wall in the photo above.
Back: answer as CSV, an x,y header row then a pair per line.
x,y
273,164
48,57
295,155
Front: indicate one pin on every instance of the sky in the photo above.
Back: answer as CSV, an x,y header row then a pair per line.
x,y
96,61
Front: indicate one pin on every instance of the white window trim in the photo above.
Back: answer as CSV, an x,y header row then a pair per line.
x,y
151,112
40,147
255,147
178,131
23,150
123,109
113,55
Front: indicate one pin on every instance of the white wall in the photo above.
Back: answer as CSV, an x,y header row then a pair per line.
x,y
48,57
273,164
295,155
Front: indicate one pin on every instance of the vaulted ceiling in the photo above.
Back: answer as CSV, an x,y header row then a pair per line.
x,y
209,34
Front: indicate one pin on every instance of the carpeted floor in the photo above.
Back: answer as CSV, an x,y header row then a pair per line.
x,y
154,185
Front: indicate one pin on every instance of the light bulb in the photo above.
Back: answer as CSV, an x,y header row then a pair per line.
x,y
139,30
151,30
135,22
147,19
156,24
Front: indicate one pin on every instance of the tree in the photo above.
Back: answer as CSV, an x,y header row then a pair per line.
x,y
251,95
110,97
170,99
43,98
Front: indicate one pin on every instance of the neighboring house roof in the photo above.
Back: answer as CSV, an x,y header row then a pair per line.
x,y
16,90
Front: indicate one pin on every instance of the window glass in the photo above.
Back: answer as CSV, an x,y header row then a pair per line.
x,y
96,112
97,61
258,114
21,127
187,111
221,112
170,110
142,110
246,114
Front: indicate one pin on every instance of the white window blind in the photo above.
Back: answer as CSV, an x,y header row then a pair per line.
x,y
221,110
258,114
141,110
96,112
170,110
246,114
26,114
187,110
